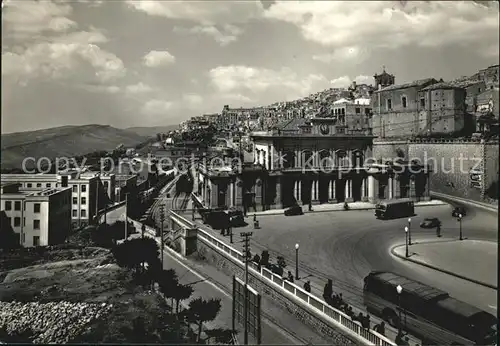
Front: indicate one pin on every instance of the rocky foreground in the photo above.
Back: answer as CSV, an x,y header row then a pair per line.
x,y
54,322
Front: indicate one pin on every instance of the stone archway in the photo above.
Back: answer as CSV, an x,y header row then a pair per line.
x,y
357,183
340,190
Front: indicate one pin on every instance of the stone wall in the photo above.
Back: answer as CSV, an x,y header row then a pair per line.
x,y
451,161
230,267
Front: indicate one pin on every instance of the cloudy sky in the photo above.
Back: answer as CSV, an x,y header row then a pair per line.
x,y
149,63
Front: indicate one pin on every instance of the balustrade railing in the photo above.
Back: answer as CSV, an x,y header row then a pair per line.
x,y
369,337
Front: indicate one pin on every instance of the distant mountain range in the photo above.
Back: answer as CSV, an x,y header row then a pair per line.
x,y
152,130
67,141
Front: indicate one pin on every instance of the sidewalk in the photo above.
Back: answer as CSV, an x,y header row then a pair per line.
x,y
472,260
481,205
339,207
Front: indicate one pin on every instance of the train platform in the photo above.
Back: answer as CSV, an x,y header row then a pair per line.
x,y
471,260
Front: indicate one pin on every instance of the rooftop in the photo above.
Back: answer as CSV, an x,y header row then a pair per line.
x,y
414,84
440,85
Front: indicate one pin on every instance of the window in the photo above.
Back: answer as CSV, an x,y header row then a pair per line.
x,y
358,110
75,213
75,200
23,238
29,185
17,205
403,101
84,188
17,221
75,188
367,111
36,240
36,224
36,207
38,184
24,223
84,200
83,213
422,102
47,185
389,104
8,205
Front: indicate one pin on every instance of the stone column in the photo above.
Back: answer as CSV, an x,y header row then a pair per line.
x,y
372,188
397,187
348,190
427,194
300,192
278,202
297,159
231,194
364,198
390,186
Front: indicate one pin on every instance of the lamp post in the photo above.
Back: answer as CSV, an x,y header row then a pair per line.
x,y
406,234
460,223
399,289
409,231
297,261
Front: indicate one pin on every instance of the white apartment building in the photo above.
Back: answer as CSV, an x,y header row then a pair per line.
x,y
84,203
38,218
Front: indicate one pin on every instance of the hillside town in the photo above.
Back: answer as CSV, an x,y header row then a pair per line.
x,y
338,157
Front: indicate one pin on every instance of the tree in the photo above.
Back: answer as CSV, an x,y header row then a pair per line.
x,y
181,292
492,191
202,311
144,250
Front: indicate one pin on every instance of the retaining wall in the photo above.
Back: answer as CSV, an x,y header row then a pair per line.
x,y
451,161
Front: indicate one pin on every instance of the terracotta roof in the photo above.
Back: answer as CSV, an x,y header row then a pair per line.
x,y
417,83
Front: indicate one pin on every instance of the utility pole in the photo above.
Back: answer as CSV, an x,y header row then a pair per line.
x,y
97,202
126,217
246,251
162,219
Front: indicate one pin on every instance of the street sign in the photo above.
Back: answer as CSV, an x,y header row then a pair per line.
x,y
253,303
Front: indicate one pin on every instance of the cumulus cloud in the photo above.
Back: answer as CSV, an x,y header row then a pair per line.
x,y
386,24
351,54
192,99
26,19
157,58
235,78
61,60
138,88
204,12
157,107
224,35
345,81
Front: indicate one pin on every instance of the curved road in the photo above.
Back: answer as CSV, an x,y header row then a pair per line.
x,y
346,246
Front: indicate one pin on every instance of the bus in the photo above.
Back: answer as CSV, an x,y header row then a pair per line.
x,y
427,312
395,208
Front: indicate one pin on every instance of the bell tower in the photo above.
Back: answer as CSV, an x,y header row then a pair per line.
x,y
383,80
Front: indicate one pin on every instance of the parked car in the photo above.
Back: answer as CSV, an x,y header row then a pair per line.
x,y
236,218
294,210
430,223
458,211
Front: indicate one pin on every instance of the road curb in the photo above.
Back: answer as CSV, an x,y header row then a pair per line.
x,y
281,211
394,253
480,205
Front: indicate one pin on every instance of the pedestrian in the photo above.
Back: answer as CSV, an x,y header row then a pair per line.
x,y
327,291
310,206
438,230
380,328
307,286
290,276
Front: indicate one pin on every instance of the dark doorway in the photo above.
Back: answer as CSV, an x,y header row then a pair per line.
x,y
356,189
288,192
306,191
340,190
323,189
382,185
221,198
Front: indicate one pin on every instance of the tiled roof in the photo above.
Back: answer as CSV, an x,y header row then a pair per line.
x,y
413,84
441,85
292,125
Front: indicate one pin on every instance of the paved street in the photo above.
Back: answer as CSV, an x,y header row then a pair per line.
x,y
480,264
346,246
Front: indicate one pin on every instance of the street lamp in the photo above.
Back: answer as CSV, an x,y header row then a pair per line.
x,y
406,234
297,261
399,289
460,223
409,231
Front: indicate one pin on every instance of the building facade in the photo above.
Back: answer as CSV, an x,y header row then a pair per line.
x,y
84,188
316,163
38,218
